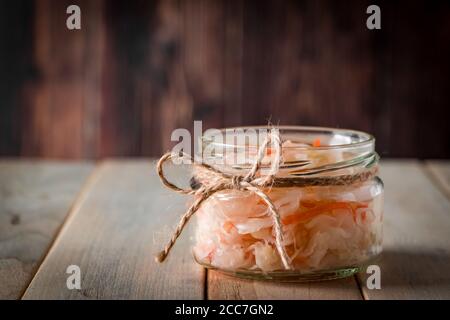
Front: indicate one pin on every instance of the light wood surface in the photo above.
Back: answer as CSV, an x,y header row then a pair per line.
x,y
416,260
112,234
440,172
123,215
35,197
226,287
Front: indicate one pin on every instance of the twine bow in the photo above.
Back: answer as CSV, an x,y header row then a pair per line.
x,y
249,182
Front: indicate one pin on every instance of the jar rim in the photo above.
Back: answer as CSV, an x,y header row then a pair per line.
x,y
343,148
358,138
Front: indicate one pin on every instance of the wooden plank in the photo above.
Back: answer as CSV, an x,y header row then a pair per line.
x,y
16,69
416,258
63,102
140,69
112,234
225,287
440,172
127,51
34,199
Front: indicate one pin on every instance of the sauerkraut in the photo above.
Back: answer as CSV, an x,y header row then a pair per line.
x,y
324,227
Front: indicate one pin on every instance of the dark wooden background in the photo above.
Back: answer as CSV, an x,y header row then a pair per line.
x,y
139,69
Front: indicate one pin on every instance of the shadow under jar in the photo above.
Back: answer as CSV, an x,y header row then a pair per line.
x,y
330,203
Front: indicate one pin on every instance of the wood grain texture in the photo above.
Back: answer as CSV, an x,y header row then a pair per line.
x,y
124,215
115,228
139,69
440,171
61,112
416,258
34,200
225,287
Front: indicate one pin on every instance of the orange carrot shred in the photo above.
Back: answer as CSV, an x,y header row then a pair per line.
x,y
308,204
228,226
308,214
316,142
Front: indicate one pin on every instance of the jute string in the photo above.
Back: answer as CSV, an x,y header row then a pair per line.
x,y
250,182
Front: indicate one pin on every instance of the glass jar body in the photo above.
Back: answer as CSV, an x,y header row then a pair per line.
x,y
329,202
329,231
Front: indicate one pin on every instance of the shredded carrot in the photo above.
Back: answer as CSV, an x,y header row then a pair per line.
x,y
306,215
228,226
254,151
308,203
359,205
364,216
299,259
316,142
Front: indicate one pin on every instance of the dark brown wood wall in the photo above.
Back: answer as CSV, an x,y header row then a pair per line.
x,y
138,69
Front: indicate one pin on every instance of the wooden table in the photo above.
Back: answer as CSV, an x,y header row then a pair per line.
x,y
110,218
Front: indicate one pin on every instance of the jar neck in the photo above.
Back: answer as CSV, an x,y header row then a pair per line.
x,y
306,151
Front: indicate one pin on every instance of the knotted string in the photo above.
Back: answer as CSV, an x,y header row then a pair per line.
x,y
249,182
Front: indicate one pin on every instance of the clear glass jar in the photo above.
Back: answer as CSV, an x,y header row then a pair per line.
x,y
329,230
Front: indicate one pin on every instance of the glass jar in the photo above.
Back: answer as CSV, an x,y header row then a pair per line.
x,y
330,203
